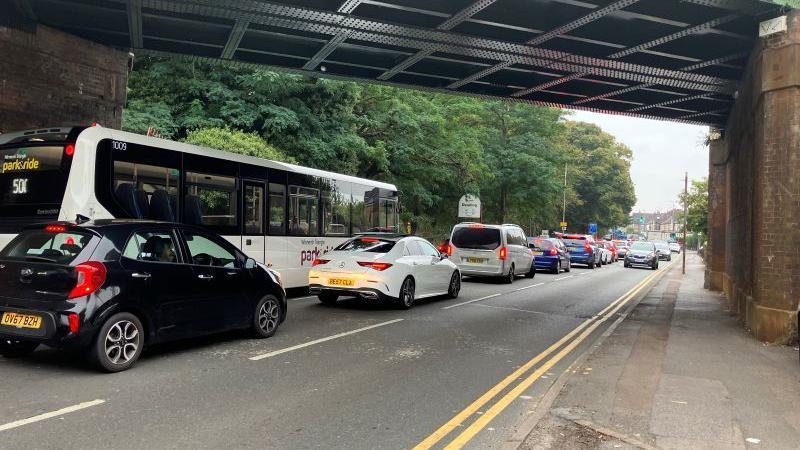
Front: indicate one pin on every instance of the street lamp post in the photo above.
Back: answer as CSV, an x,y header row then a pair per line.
x,y
685,213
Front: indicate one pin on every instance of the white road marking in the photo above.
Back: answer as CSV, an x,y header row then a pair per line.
x,y
528,287
563,278
516,309
50,415
321,340
472,301
584,273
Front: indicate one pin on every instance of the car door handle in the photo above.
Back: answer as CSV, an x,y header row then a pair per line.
x,y
203,276
231,274
141,275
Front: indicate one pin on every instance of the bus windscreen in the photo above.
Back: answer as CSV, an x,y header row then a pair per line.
x,y
32,181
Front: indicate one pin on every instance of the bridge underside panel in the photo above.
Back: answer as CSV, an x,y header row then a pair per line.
x,y
669,59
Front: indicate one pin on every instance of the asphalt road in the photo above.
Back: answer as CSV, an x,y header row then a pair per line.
x,y
351,376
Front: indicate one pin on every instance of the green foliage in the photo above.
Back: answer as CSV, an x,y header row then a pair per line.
x,y
434,147
236,141
697,198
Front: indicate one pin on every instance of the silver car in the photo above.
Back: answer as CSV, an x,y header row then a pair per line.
x,y
662,248
499,251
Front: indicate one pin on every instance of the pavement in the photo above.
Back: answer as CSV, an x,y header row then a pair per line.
x,y
680,372
464,373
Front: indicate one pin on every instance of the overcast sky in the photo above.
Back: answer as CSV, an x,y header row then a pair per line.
x,y
662,152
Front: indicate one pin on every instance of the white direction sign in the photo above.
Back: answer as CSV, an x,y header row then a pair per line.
x,y
469,207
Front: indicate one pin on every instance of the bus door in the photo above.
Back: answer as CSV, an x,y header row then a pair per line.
x,y
254,208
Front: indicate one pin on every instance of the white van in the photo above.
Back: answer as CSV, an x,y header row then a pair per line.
x,y
491,251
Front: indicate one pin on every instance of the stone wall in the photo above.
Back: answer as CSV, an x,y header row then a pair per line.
x,y
754,192
50,78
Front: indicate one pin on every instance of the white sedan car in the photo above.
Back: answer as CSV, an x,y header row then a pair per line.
x,y
379,266
674,247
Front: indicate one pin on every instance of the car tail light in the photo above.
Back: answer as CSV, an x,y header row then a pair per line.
x,y
370,240
503,254
69,150
379,266
74,323
55,228
449,250
91,276
588,248
553,251
318,262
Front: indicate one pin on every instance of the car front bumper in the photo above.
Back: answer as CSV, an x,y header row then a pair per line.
x,y
646,262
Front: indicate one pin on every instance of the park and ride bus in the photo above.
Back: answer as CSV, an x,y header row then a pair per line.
x,y
282,215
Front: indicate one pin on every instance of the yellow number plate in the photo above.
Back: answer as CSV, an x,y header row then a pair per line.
x,y
21,320
476,260
341,282
535,253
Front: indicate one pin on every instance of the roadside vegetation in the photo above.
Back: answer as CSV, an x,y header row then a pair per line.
x,y
434,147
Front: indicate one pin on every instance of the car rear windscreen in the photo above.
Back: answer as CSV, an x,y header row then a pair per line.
x,y
575,242
32,181
370,245
46,246
476,238
542,244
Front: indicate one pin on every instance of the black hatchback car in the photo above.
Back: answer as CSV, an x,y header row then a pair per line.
x,y
111,287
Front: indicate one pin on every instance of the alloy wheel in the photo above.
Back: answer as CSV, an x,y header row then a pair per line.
x,y
268,316
455,285
122,342
407,293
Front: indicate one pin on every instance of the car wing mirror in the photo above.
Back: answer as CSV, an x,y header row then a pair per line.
x,y
443,255
250,264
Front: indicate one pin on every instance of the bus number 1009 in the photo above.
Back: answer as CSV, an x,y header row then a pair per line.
x,y
117,145
19,186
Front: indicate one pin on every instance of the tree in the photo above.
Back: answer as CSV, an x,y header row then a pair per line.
x,y
697,198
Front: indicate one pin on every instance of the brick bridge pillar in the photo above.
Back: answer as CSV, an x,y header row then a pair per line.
x,y
51,78
754,192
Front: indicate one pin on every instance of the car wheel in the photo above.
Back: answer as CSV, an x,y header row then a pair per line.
x,y
531,273
625,264
268,314
557,269
406,300
455,285
327,298
11,348
591,265
118,344
509,278
568,268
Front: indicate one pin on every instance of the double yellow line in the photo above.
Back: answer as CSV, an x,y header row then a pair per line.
x,y
582,331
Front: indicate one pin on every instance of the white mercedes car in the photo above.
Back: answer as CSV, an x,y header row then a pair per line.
x,y
396,268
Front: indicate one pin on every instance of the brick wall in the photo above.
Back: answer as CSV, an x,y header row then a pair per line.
x,y
50,78
756,170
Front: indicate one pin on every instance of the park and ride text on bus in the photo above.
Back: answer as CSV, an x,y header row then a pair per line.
x,y
280,214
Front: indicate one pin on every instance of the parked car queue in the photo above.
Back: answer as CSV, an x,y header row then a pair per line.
x,y
112,287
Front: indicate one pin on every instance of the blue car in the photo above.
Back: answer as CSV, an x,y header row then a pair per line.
x,y
581,250
549,254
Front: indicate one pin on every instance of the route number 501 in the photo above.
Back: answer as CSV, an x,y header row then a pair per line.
x,y
19,186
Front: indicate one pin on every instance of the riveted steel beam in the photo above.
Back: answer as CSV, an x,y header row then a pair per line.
x,y
541,39
135,23
234,39
649,44
331,23
710,62
448,24
670,102
347,7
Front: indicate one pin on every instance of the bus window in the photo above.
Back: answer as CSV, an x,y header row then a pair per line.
x,y
360,219
147,191
388,215
303,211
254,209
336,209
211,201
32,181
277,209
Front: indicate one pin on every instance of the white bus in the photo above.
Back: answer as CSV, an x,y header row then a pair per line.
x,y
280,214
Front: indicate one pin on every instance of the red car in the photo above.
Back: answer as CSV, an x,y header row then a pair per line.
x,y
613,248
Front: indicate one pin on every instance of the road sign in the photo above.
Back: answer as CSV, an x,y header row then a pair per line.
x,y
469,207
563,224
592,228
